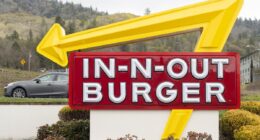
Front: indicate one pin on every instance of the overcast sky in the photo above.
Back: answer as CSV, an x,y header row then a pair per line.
x,y
251,7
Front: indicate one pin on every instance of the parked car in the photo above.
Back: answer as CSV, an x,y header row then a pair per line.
x,y
54,84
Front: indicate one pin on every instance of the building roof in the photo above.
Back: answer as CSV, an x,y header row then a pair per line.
x,y
256,51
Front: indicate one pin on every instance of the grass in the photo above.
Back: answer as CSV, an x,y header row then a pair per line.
x,y
49,101
1,92
33,101
253,97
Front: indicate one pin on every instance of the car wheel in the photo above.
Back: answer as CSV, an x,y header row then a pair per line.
x,y
19,93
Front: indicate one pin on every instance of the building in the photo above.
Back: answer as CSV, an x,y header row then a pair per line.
x,y
248,66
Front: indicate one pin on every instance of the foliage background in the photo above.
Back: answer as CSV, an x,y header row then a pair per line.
x,y
24,23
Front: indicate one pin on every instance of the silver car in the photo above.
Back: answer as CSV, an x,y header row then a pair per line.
x,y
54,84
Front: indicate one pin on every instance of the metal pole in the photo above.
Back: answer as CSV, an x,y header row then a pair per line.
x,y
29,61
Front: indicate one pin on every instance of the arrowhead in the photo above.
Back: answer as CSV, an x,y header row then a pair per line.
x,y
49,46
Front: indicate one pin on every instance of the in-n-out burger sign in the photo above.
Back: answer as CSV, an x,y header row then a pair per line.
x,y
144,88
154,80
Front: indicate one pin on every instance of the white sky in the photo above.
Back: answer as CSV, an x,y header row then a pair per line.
x,y
250,9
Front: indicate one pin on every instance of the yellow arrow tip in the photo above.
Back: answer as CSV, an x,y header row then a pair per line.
x,y
49,46
176,124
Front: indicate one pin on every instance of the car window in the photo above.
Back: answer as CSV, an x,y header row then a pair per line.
x,y
62,78
49,77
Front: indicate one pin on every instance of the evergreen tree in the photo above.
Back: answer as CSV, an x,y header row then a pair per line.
x,y
125,48
43,28
71,27
30,42
82,23
147,11
30,36
92,24
16,46
59,20
141,47
13,36
251,41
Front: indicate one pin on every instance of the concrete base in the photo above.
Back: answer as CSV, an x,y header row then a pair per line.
x,y
147,124
22,121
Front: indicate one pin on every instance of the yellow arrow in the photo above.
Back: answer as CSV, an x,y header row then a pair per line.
x,y
176,124
215,19
213,38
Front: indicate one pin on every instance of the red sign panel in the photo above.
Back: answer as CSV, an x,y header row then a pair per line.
x,y
154,81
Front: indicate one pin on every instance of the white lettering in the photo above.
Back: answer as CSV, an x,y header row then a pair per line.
x,y
219,89
172,94
122,96
144,91
85,68
194,69
99,64
88,90
220,65
147,71
184,69
190,89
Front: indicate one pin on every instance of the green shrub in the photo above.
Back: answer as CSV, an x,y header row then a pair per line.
x,y
70,130
75,130
67,114
234,119
43,132
248,132
253,107
55,138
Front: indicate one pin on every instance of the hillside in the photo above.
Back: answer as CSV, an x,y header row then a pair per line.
x,y
39,15
49,9
23,23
